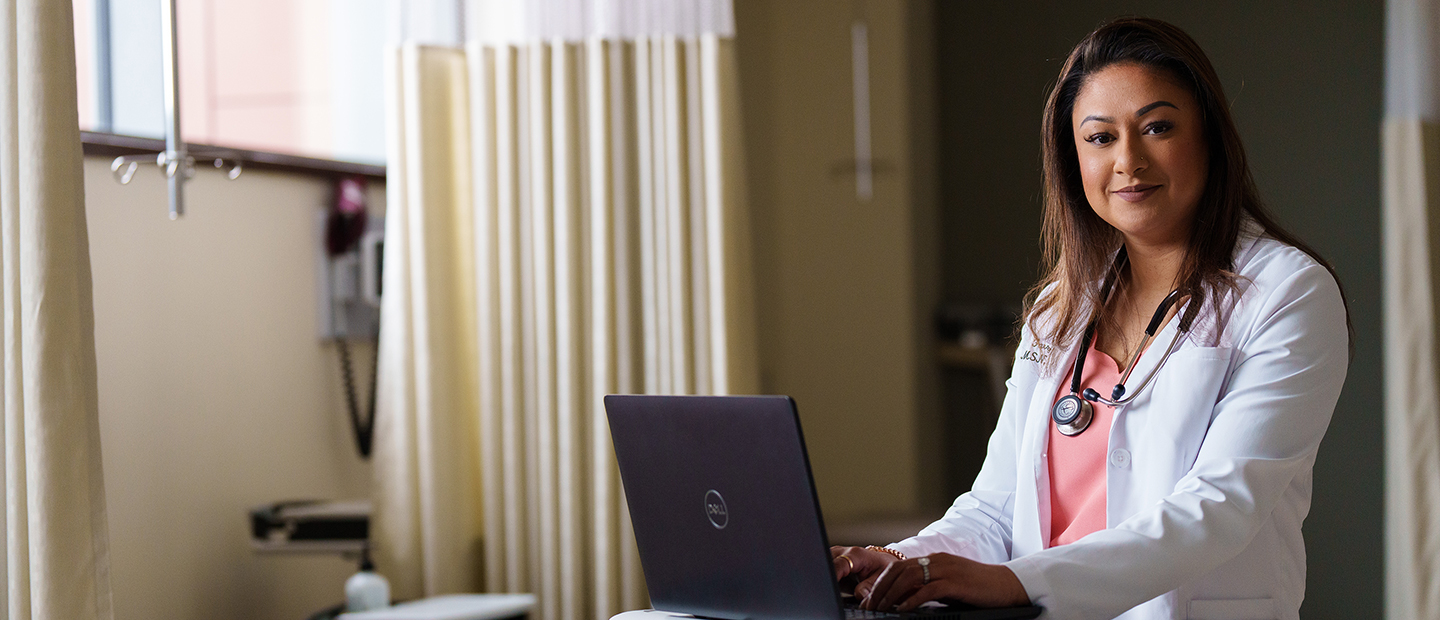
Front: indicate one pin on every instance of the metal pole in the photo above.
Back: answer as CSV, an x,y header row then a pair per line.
x,y
860,72
104,92
175,159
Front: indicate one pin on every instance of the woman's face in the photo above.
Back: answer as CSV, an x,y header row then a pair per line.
x,y
1142,152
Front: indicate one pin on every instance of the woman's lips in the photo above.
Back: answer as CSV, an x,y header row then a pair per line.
x,y
1136,193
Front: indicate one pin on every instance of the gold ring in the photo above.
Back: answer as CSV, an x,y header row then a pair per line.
x,y
850,562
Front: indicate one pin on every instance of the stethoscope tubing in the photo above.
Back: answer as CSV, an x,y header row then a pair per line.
x,y
1077,410
1150,329
1091,395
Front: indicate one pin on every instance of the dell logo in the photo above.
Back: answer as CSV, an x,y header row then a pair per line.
x,y
715,509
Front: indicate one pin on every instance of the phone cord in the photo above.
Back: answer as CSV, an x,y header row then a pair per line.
x,y
364,426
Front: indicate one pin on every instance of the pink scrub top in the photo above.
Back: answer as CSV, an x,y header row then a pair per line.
x,y
1077,464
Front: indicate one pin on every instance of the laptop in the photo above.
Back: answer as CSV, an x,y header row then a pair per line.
x,y
725,513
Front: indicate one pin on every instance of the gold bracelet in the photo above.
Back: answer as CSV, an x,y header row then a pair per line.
x,y
889,551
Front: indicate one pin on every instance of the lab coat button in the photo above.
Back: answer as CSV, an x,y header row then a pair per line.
x,y
1120,458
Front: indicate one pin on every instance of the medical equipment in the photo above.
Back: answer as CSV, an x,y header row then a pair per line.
x,y
351,259
1073,412
366,589
311,526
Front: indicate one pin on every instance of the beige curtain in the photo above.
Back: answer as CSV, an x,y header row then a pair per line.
x,y
1411,214
56,552
566,220
426,439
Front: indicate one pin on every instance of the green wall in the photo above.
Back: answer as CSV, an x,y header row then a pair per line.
x,y
1305,85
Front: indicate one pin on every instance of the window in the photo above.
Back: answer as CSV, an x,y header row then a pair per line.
x,y
302,77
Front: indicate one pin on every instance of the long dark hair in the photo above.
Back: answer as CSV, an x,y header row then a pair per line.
x,y
1080,247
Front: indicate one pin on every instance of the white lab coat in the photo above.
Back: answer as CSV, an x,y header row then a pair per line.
x,y
1208,475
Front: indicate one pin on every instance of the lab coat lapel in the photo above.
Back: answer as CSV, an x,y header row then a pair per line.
x,y
1032,523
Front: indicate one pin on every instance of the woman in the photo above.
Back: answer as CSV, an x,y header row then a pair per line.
x,y
1187,501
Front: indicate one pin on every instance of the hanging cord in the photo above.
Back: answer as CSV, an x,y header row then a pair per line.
x,y
364,426
345,226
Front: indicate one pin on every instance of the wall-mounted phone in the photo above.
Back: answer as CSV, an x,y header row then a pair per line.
x,y
350,288
351,260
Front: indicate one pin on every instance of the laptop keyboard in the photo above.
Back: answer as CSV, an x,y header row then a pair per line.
x,y
923,613
855,613
927,612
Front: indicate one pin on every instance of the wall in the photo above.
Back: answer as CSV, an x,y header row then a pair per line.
x,y
839,281
1305,87
215,392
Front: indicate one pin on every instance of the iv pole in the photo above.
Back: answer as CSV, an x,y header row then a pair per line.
x,y
175,162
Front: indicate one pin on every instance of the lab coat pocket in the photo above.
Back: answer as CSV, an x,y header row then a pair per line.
x,y
1233,609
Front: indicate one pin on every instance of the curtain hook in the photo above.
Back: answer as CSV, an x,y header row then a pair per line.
x,y
128,164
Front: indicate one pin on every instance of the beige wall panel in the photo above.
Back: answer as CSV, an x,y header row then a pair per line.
x,y
836,278
215,392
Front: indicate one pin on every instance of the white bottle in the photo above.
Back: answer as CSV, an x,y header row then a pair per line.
x,y
366,589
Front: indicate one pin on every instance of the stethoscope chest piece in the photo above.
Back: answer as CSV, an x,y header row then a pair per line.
x,y
1072,415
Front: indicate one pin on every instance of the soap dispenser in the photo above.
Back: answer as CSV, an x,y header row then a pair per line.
x,y
366,589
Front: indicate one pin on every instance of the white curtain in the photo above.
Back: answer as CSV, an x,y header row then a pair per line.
x,y
56,551
566,220
1411,214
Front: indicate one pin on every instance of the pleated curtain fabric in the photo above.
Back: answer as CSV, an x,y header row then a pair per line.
x,y
56,549
1411,224
566,220
426,450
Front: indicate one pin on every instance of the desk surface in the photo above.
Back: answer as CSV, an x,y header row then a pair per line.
x,y
649,614
453,607
654,614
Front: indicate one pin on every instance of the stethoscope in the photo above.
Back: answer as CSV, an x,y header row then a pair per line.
x,y
1072,413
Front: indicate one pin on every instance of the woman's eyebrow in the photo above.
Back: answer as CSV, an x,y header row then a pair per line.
x,y
1142,111
1103,119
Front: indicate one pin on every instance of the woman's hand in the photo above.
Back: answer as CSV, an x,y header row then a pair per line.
x,y
861,564
902,586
